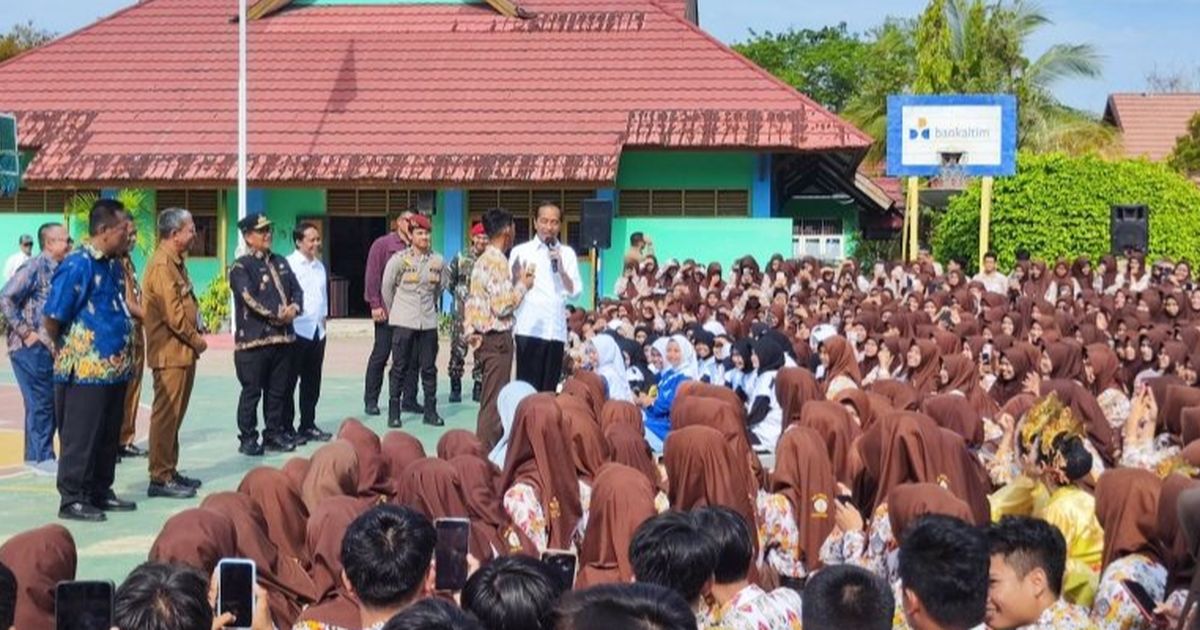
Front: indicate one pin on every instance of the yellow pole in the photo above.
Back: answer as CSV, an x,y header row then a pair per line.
x,y
904,233
985,216
914,221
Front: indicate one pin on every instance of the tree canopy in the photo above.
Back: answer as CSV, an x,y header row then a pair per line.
x,y
825,62
1185,158
22,37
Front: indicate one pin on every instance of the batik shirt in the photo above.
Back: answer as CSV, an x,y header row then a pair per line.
x,y
755,609
778,535
1062,615
874,550
1114,608
493,297
23,299
87,299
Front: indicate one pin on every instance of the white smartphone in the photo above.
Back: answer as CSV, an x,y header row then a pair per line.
x,y
236,578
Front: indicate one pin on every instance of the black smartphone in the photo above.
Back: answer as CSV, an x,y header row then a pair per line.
x,y
845,499
83,605
562,565
235,590
1144,603
450,553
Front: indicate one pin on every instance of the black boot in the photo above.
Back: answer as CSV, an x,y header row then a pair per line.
x,y
394,413
456,390
431,416
477,391
411,406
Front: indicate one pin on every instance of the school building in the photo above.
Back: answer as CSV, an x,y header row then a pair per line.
x,y
358,108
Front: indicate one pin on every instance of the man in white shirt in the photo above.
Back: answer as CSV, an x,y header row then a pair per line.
x,y
992,280
23,254
308,351
541,320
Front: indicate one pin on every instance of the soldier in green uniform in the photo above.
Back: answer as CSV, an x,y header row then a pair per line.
x,y
460,284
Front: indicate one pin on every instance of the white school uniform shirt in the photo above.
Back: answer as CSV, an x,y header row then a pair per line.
x,y
310,323
767,431
543,312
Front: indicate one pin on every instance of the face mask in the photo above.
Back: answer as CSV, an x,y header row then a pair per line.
x,y
722,352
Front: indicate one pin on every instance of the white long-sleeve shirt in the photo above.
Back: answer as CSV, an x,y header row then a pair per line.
x,y
310,323
543,312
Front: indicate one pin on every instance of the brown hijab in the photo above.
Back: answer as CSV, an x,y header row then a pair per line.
x,y
1066,360
861,402
699,460
1084,405
894,451
1189,421
842,361
1173,549
963,376
730,421
838,432
334,606
622,499
589,449
399,450
588,387
908,502
431,487
925,376
196,537
902,396
536,456
1127,508
804,474
1105,365
282,509
794,387
630,449
372,471
295,469
332,471
1178,397
478,481
457,442
957,414
621,413
39,559
288,585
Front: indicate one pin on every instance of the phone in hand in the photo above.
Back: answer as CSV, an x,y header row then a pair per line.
x,y
562,565
236,578
450,553
83,605
1145,604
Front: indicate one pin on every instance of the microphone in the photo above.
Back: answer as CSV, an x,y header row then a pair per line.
x,y
552,243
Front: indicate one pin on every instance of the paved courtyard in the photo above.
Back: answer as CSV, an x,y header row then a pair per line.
x,y
208,445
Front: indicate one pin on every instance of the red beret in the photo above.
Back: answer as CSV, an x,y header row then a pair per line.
x,y
420,221
477,230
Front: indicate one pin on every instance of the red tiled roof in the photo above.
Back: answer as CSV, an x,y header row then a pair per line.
x,y
1150,123
436,94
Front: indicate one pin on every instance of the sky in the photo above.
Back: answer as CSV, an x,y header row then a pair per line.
x,y
1134,37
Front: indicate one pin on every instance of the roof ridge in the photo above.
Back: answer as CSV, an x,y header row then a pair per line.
x,y
760,70
87,27
1157,94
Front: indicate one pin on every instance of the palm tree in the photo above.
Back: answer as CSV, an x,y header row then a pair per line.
x,y
135,200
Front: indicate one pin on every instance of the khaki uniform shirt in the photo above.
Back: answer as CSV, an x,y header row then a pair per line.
x,y
412,284
172,319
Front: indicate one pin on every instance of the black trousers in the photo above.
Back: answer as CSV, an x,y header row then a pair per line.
x,y
377,363
539,362
308,356
89,429
265,374
413,351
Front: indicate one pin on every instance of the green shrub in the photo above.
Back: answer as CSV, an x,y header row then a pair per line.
x,y
214,304
1058,205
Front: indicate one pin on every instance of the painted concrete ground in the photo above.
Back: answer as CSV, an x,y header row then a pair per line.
x,y
208,445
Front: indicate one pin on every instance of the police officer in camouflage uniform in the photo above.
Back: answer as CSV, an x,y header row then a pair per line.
x,y
460,285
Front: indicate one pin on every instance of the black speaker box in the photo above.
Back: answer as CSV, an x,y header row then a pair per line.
x,y
1130,228
596,226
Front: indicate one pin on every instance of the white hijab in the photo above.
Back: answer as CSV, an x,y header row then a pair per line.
x,y
510,396
687,364
611,367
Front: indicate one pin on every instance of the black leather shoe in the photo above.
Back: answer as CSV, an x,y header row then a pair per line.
x,y
412,407
253,449
81,512
371,409
278,445
297,439
456,391
313,434
477,391
111,503
187,481
170,490
394,422
131,450
433,419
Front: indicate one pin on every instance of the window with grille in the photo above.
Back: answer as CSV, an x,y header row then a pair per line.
x,y
41,201
523,206
204,204
685,203
375,202
819,238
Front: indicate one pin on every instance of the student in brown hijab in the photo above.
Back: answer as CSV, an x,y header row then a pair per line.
x,y
1101,367
288,585
295,469
957,414
1066,360
1189,421
1014,365
901,395
893,451
1178,397
1084,405
909,502
332,471
623,413
282,509
730,421
698,460
1173,548
334,605
857,403
39,559
399,449
962,376
478,481
924,366
457,442
195,537
589,449
589,387
1127,510
622,499
631,449
803,487
794,387
538,462
841,369
838,432
431,487
372,473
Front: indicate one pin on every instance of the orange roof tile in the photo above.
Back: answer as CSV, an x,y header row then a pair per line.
x,y
1150,123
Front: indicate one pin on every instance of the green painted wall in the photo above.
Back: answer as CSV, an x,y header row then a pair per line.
x,y
14,224
683,170
283,206
827,209
706,240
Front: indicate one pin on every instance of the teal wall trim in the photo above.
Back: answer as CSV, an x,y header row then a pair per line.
x,y
256,201
762,198
453,210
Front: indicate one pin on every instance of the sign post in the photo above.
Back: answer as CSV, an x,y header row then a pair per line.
x,y
985,215
913,212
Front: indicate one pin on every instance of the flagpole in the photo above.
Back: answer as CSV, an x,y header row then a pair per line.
x,y
241,157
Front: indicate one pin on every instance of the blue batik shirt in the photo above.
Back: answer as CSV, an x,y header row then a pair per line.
x,y
87,299
22,299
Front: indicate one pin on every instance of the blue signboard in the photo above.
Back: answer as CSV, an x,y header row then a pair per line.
x,y
975,134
